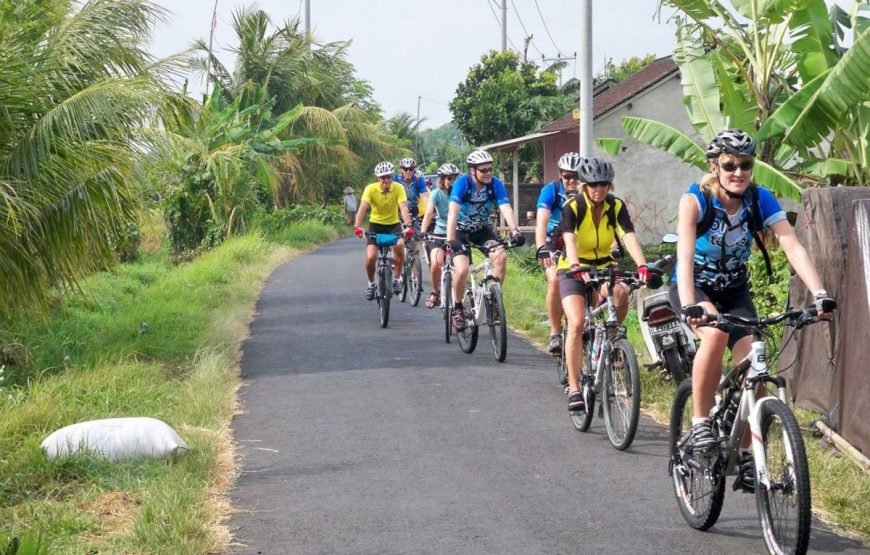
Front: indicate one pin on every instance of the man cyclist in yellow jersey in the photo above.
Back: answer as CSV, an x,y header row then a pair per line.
x,y
387,200
593,220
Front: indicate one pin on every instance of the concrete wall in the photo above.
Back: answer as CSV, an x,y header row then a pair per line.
x,y
650,180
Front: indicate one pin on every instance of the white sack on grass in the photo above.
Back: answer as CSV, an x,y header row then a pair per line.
x,y
116,439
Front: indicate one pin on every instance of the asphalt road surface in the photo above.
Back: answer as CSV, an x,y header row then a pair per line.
x,y
357,439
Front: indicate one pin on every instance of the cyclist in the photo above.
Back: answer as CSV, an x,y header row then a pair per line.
x,y
414,184
436,212
471,201
549,239
387,200
593,222
711,273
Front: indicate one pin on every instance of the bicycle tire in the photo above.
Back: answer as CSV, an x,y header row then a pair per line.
x,y
406,265
415,279
447,302
620,396
384,295
674,364
467,337
497,322
699,495
789,492
582,420
561,361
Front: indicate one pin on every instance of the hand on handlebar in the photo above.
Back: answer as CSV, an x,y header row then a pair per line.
x,y
518,239
580,273
408,232
825,307
695,315
545,255
358,231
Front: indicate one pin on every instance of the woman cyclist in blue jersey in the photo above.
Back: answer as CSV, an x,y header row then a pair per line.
x,y
711,272
436,210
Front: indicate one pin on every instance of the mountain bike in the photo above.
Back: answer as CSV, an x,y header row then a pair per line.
x,y
412,274
782,480
483,304
384,273
447,293
610,368
561,360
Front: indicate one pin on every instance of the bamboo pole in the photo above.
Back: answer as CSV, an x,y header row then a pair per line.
x,y
843,445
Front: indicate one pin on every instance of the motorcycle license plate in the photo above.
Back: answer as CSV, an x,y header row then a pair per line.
x,y
667,328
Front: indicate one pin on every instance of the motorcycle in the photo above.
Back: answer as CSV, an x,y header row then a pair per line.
x,y
670,342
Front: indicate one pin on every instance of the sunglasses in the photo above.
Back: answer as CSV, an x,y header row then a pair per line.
x,y
385,177
597,184
485,170
570,176
407,169
746,165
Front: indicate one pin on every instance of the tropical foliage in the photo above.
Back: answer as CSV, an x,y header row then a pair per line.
x,y
784,72
76,93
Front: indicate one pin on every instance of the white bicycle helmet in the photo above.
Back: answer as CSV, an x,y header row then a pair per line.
x,y
407,163
384,168
595,170
569,162
478,157
448,169
732,141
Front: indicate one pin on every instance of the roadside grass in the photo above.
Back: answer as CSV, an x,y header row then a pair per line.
x,y
840,490
146,339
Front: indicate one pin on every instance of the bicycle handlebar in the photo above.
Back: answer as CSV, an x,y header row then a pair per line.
x,y
797,317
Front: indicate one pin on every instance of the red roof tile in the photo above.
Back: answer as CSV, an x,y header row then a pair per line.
x,y
655,72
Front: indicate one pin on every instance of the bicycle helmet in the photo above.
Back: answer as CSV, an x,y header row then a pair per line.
x,y
594,170
478,157
732,141
569,161
407,163
447,170
384,168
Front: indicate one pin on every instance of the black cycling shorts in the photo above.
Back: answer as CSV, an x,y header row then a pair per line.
x,y
735,301
479,237
382,228
569,286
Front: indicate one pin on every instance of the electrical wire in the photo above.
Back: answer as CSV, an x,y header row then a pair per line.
x,y
489,3
559,50
517,13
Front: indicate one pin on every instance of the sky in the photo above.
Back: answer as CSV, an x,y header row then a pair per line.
x,y
424,48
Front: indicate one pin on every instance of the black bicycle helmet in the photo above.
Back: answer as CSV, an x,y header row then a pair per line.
x,y
595,170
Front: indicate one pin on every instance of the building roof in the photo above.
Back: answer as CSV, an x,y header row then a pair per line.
x,y
511,144
654,73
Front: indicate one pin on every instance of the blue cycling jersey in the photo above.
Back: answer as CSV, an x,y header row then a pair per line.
x,y
553,196
413,190
476,207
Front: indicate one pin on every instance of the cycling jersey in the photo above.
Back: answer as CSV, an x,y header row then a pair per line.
x,y
413,190
553,197
442,203
385,206
711,269
594,243
476,206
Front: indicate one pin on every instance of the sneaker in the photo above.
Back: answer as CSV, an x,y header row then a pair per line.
x,y
458,319
397,286
745,480
554,347
576,402
702,437
371,290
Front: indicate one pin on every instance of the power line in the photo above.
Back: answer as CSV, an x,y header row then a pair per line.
x,y
559,50
489,3
517,12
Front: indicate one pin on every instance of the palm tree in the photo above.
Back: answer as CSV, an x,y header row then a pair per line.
x,y
76,90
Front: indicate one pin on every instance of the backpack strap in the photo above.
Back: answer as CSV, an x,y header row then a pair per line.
x,y
756,225
611,221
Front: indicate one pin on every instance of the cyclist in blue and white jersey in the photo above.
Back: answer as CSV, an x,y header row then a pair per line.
x,y
548,238
415,185
436,212
471,202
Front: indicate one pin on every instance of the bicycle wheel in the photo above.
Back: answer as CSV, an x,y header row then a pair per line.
x,y
561,362
497,322
583,419
698,483
415,279
385,292
621,397
674,364
784,504
447,302
467,337
406,266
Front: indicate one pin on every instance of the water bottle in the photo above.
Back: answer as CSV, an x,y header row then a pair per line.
x,y
596,345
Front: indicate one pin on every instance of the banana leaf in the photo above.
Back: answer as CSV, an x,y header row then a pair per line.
x,y
812,39
737,105
610,146
779,183
700,90
665,138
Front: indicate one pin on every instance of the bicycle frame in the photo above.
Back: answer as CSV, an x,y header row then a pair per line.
x,y
480,287
599,323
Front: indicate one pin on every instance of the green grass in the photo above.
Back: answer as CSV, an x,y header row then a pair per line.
x,y
147,339
841,490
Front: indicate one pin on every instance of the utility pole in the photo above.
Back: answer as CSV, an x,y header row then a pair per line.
x,y
559,58
308,18
504,25
210,42
586,114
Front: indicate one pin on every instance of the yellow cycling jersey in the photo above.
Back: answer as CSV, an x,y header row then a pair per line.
x,y
594,243
385,206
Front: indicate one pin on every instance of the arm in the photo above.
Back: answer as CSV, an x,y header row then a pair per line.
x,y
427,217
571,248
686,225
452,218
361,213
508,214
797,255
633,247
406,215
542,219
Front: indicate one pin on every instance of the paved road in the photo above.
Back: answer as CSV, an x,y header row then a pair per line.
x,y
358,439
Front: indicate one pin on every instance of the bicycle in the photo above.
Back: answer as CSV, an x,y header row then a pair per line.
x,y
483,304
610,363
782,481
446,298
384,272
412,273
